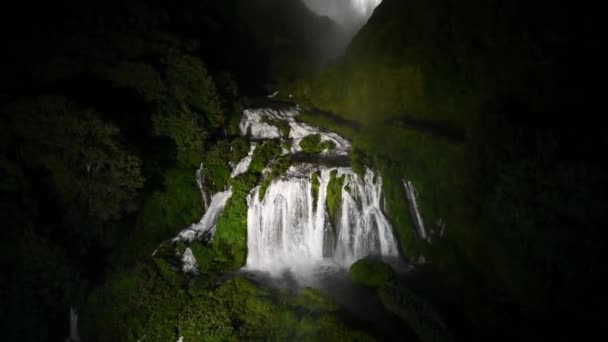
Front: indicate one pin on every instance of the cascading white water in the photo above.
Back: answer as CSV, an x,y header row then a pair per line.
x,y
213,208
189,264
74,335
411,195
207,224
254,125
243,165
290,229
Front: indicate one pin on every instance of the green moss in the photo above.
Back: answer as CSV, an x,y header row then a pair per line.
x,y
334,195
304,317
239,148
328,145
206,319
315,187
143,304
230,239
264,187
312,300
263,154
359,161
371,272
277,167
312,144
205,257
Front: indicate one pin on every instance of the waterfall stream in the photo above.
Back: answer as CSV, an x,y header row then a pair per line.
x,y
291,229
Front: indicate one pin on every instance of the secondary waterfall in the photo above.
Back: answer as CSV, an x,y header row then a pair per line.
x,y
291,229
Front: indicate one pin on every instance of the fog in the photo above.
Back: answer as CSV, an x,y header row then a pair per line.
x,y
351,14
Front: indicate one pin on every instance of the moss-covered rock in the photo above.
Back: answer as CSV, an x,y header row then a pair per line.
x,y
230,239
313,144
334,195
371,272
263,154
239,148
314,180
277,167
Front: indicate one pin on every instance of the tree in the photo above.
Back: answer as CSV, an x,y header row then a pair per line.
x,y
89,167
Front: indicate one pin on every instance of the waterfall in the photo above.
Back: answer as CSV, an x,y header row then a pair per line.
x,y
200,182
254,124
206,226
290,228
309,218
412,195
243,165
189,264
74,336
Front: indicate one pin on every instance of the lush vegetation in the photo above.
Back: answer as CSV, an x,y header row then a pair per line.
x,y
106,111
157,302
108,108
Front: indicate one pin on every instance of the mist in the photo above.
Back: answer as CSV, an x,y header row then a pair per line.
x,y
350,14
